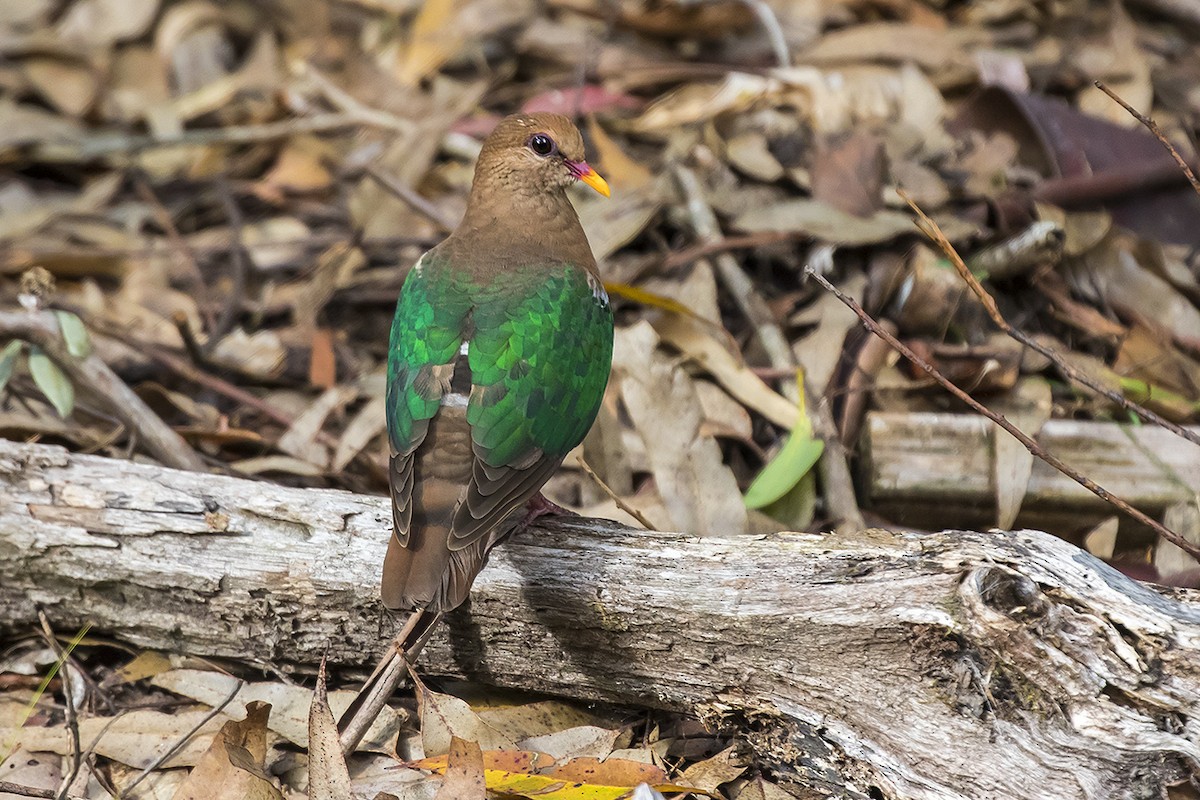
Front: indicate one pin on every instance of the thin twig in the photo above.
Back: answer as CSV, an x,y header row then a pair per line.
x,y
1032,446
175,748
410,196
41,328
72,720
621,504
27,791
931,229
1152,126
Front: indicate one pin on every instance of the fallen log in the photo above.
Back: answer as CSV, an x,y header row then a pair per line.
x,y
933,470
955,665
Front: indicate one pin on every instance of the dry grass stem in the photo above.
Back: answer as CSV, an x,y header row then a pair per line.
x,y
621,504
1152,126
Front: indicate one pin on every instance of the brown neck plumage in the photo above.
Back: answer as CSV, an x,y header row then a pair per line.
x,y
513,224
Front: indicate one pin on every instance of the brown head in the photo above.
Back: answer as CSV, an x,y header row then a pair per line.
x,y
535,152
518,210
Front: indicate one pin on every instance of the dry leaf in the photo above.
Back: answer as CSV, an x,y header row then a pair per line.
x,y
1028,406
584,741
289,704
233,767
444,717
328,778
697,488
464,776
712,773
736,378
137,738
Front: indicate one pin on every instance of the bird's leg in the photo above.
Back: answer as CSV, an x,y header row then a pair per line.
x,y
388,674
538,506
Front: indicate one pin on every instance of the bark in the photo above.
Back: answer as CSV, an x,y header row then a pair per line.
x,y
956,665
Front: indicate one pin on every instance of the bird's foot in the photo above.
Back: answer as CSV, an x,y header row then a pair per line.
x,y
538,506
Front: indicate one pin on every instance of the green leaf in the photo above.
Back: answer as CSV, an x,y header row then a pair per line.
x,y
791,463
797,508
8,360
52,381
79,344
785,470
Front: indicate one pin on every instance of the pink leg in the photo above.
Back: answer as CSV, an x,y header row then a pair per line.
x,y
538,506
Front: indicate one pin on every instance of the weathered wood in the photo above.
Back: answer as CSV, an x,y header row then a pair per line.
x,y
956,665
934,470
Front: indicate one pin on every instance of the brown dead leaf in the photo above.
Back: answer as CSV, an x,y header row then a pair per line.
x,y
289,703
1028,406
1170,560
621,171
232,769
587,741
103,23
34,770
444,717
1148,355
328,778
736,378
66,84
848,172
712,773
825,222
464,775
759,789
137,738
1101,540
698,489
534,719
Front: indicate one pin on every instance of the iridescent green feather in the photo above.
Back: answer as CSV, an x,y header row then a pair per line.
x,y
540,350
427,331
540,366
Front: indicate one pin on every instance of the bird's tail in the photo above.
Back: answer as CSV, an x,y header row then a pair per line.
x,y
388,674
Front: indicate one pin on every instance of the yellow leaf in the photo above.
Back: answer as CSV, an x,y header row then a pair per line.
x,y
542,787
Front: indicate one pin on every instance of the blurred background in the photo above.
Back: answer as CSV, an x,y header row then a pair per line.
x,y
228,196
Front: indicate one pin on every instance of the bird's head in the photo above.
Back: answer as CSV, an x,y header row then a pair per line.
x,y
537,152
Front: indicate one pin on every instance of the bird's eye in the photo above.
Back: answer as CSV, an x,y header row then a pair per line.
x,y
541,144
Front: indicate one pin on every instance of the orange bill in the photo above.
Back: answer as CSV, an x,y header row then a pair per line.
x,y
591,178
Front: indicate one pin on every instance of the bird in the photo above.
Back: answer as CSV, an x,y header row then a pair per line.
x,y
499,355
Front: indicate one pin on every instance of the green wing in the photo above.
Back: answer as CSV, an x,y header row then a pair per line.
x,y
427,332
540,357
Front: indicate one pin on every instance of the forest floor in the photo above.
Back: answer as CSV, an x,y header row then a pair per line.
x,y
220,202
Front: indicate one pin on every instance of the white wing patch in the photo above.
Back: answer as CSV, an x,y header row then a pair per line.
x,y
598,292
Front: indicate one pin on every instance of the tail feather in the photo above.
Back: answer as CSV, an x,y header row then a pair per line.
x,y
388,674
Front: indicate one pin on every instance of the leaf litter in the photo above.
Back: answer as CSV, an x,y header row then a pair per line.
x,y
257,328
